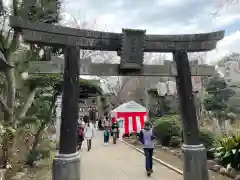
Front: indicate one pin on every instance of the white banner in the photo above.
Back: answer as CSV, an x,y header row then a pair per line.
x,y
130,124
171,88
138,122
196,83
162,89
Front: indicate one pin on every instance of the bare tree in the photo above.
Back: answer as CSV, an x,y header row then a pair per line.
x,y
154,58
75,20
200,57
220,4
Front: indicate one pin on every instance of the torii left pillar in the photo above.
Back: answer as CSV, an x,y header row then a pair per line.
x,y
66,165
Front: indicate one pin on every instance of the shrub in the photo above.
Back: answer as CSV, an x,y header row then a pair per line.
x,y
165,128
175,142
227,152
207,138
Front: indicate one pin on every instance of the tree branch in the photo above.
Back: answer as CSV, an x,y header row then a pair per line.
x,y
52,106
2,33
4,106
15,7
117,91
27,103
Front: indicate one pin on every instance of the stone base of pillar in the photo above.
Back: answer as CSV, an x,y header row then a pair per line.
x,y
195,162
66,166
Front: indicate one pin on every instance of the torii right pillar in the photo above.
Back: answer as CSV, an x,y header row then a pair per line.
x,y
194,152
195,158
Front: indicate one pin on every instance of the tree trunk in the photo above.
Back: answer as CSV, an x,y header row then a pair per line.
x,y
30,161
10,76
27,103
8,116
6,149
10,95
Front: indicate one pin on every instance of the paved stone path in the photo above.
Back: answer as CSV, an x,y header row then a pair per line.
x,y
118,162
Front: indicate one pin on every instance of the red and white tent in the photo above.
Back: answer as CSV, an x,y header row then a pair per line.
x,y
130,116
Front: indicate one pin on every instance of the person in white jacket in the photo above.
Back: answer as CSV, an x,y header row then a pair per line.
x,y
89,133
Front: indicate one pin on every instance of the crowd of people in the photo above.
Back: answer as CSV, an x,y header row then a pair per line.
x,y
87,129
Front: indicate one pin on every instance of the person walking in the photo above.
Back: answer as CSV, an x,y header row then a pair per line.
x,y
89,133
85,118
100,127
107,124
106,136
146,137
80,136
115,131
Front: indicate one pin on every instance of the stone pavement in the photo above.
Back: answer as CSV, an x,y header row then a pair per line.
x,y
118,162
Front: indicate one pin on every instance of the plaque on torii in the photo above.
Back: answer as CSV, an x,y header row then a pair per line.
x,y
130,45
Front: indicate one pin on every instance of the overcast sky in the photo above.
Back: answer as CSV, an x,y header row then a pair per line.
x,y
161,17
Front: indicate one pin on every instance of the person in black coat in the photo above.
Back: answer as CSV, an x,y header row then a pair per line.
x,y
100,124
85,119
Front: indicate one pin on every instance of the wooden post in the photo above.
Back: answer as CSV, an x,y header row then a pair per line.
x,y
69,116
194,152
66,164
185,94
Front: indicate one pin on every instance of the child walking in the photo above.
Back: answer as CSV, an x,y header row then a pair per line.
x,y
106,136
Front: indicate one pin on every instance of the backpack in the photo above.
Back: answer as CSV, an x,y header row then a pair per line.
x,y
141,136
80,131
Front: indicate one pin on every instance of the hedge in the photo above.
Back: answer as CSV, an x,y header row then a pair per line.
x,y
168,132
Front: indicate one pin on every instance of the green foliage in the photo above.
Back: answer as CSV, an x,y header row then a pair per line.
x,y
91,85
175,142
47,11
45,80
159,106
226,151
218,96
230,57
207,138
37,154
16,54
42,110
56,80
165,128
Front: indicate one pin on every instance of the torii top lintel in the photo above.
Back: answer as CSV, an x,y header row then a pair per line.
x,y
42,33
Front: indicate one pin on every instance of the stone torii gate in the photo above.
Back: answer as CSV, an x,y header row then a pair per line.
x,y
130,45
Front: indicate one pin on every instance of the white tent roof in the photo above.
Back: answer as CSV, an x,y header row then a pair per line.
x,y
131,106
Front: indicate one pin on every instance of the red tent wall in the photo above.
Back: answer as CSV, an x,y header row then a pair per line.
x,y
126,115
